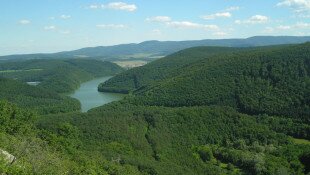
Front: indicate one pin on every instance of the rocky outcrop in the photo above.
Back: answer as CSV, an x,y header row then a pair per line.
x,y
9,158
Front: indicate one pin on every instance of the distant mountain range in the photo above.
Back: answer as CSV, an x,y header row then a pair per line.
x,y
151,50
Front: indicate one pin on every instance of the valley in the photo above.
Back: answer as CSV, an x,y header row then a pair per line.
x,y
154,87
202,110
54,80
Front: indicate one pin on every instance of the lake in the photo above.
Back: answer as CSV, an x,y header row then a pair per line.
x,y
33,83
89,96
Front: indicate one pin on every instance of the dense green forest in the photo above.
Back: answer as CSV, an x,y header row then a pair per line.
x,y
40,152
205,110
127,139
159,69
272,81
185,140
36,98
165,68
54,77
61,76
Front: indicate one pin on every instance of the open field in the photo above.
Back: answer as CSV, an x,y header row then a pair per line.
x,y
301,141
130,64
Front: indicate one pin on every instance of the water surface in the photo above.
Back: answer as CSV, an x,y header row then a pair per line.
x,y
89,96
33,83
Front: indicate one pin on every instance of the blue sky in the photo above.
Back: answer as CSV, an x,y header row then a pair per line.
x,y
33,26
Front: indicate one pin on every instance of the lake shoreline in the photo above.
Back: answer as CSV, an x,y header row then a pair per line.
x,y
90,97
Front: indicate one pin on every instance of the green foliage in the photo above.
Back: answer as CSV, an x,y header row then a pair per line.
x,y
55,76
162,140
18,137
159,70
205,153
293,127
271,80
199,112
34,155
5,168
301,141
61,76
38,99
14,121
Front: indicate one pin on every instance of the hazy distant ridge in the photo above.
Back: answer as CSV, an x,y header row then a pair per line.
x,y
162,48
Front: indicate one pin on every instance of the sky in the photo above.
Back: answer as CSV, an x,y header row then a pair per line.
x,y
45,26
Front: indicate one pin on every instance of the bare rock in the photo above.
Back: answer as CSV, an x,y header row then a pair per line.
x,y
9,158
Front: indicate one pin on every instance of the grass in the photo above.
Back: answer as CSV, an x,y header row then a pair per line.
x,y
235,169
224,165
301,141
130,64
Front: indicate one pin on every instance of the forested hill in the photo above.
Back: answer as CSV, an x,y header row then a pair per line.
x,y
271,80
160,48
158,70
61,76
154,49
205,110
35,98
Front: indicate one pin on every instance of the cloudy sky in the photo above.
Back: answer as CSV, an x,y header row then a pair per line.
x,y
32,26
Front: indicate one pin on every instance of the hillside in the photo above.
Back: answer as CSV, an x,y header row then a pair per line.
x,y
159,69
267,89
35,98
151,50
187,140
52,78
204,110
271,80
162,48
61,76
38,151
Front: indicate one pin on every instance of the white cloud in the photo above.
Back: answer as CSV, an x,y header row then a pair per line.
x,y
114,6
49,27
94,6
299,25
159,19
181,24
298,5
217,15
304,15
295,27
111,26
220,34
191,25
302,25
65,16
65,32
256,19
24,22
233,8
184,24
56,29
281,27
121,6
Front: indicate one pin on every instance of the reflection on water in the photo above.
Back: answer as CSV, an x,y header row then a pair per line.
x,y
33,83
89,96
